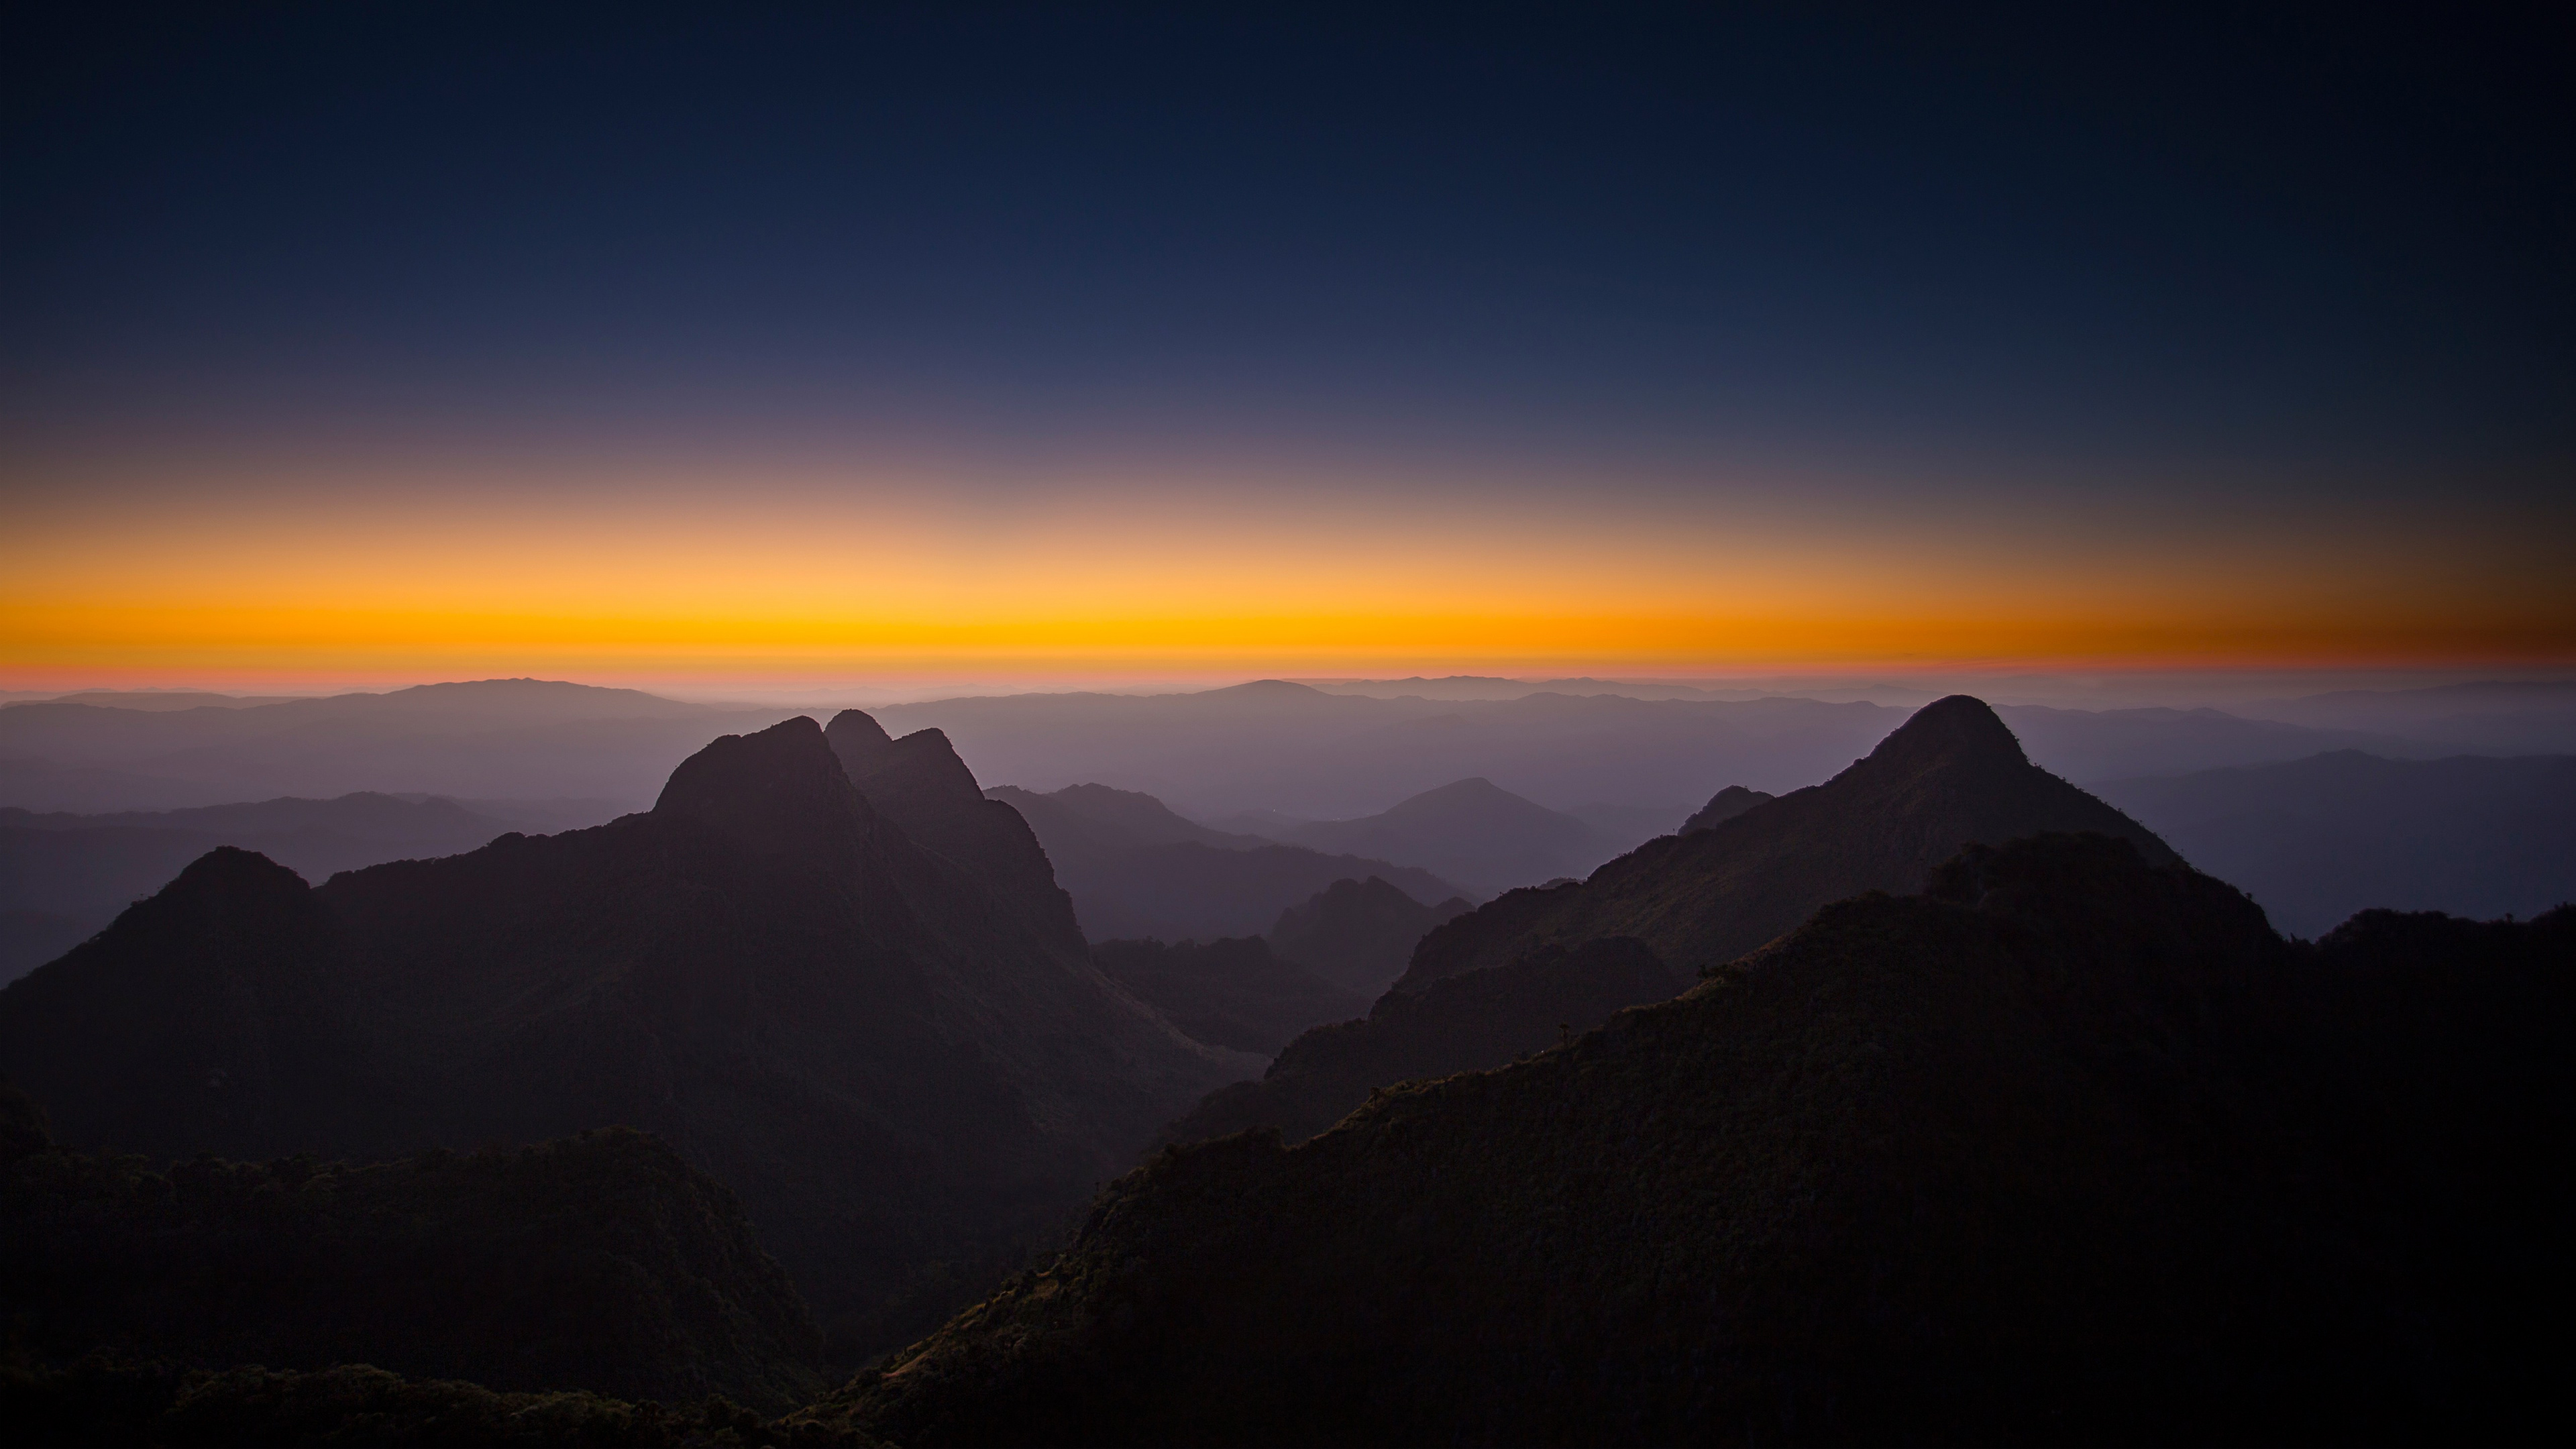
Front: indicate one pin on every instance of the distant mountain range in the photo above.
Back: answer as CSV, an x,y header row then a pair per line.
x,y
1473,832
1136,870
2318,839
1515,974
2071,1148
64,877
1280,751
896,1049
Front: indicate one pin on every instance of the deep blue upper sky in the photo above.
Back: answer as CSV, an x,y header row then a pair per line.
x,y
2321,249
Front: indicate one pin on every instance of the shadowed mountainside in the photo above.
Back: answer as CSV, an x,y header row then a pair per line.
x,y
2073,1148
601,1262
1952,775
2317,839
1136,870
893,1062
1359,934
1232,993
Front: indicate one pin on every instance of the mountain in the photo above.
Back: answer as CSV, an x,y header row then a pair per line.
x,y
1467,1023
896,1062
83,869
920,784
2073,1148
602,1262
1953,774
1723,806
1470,831
1137,870
1358,934
2111,744
2318,839
1231,993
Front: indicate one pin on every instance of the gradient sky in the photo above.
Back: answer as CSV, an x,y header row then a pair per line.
x,y
396,342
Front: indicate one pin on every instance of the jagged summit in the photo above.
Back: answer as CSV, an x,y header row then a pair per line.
x,y
780,791
920,784
1960,729
922,766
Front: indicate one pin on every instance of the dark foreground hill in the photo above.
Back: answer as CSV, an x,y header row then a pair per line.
x,y
1135,869
2071,1149
898,1062
1953,774
601,1262
1359,933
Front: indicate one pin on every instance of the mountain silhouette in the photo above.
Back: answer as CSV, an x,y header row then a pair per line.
x,y
894,1061
82,869
2073,1148
1229,993
1470,831
1723,806
1137,870
1359,934
1951,776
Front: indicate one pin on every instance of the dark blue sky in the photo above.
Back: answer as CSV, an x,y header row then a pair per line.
x,y
2321,250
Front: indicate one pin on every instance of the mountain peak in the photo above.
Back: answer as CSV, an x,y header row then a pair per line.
x,y
781,790
1961,727
901,776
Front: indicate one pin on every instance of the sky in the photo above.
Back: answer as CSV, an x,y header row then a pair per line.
x,y
374,344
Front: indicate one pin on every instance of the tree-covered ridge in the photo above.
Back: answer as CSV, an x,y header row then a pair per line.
x,y
2071,1148
600,1262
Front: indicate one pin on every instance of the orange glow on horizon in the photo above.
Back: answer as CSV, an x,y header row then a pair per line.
x,y
775,576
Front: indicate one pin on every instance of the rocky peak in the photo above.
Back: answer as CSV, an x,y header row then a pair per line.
x,y
902,776
1961,729
780,791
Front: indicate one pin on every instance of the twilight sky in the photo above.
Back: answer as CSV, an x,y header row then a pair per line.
x,y
397,342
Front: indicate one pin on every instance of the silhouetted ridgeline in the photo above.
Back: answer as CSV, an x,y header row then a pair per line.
x,y
1359,934
2072,1149
1526,964
903,1064
601,1262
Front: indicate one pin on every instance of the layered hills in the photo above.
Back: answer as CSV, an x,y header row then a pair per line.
x,y
1136,869
2071,1148
1359,933
1471,831
65,876
1951,776
896,1059
2318,839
